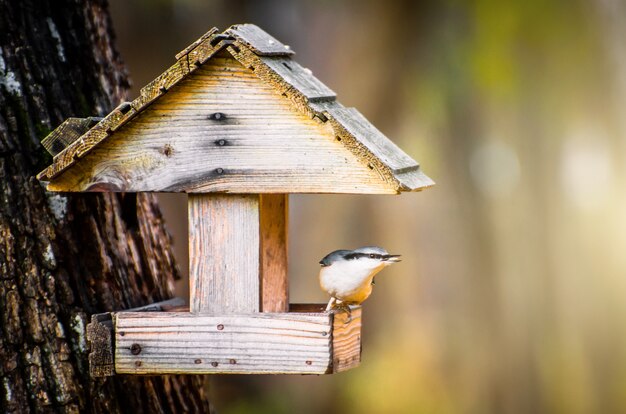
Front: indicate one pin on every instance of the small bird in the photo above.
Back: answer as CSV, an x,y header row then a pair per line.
x,y
348,275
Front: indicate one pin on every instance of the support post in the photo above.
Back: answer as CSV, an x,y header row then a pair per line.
x,y
224,253
238,253
274,279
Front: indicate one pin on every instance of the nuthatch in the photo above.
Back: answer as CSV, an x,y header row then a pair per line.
x,y
348,275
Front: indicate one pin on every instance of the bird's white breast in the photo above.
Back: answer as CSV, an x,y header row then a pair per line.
x,y
349,280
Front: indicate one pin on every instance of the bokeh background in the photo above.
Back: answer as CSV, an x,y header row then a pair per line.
x,y
512,294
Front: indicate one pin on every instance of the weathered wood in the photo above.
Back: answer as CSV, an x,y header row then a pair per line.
x,y
298,103
300,79
161,84
100,335
258,40
290,100
260,143
96,134
414,180
100,340
197,43
69,131
381,147
277,343
224,253
254,62
273,235
346,340
204,51
378,151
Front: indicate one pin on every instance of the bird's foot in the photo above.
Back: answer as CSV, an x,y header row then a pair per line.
x,y
344,307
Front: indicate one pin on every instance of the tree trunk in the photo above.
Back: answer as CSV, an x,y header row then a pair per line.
x,y
66,256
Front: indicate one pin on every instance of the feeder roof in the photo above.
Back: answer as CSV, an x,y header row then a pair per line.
x,y
332,149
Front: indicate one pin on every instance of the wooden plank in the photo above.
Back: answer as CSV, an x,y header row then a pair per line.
x,y
79,148
274,279
224,253
346,339
205,48
254,62
323,106
376,150
414,180
203,52
114,120
66,133
276,343
301,79
380,146
258,40
161,84
260,144
197,43
181,343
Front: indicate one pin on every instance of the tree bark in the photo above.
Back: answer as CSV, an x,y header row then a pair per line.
x,y
66,256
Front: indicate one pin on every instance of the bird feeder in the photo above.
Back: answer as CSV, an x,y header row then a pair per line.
x,y
237,125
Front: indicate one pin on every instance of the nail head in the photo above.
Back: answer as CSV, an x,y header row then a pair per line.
x,y
135,349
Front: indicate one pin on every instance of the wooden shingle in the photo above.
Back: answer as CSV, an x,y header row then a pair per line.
x,y
259,41
301,79
69,131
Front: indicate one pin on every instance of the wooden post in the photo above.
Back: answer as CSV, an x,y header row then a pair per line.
x,y
224,253
238,253
274,280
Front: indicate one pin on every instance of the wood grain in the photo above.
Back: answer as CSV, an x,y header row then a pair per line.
x,y
384,149
277,343
267,95
256,63
100,339
81,146
161,84
347,339
274,230
370,145
300,79
224,253
261,144
68,132
261,42
202,39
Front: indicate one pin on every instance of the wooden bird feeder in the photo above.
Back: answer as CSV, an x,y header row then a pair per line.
x,y
237,125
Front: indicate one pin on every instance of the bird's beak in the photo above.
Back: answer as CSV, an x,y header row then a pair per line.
x,y
393,258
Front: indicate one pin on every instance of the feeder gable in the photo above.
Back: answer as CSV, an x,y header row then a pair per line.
x,y
222,130
234,114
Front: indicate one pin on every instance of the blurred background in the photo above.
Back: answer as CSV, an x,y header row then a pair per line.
x,y
512,294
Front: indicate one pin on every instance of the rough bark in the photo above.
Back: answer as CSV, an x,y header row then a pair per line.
x,y
64,257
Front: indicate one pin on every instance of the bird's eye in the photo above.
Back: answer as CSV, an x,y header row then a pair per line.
x,y
372,255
